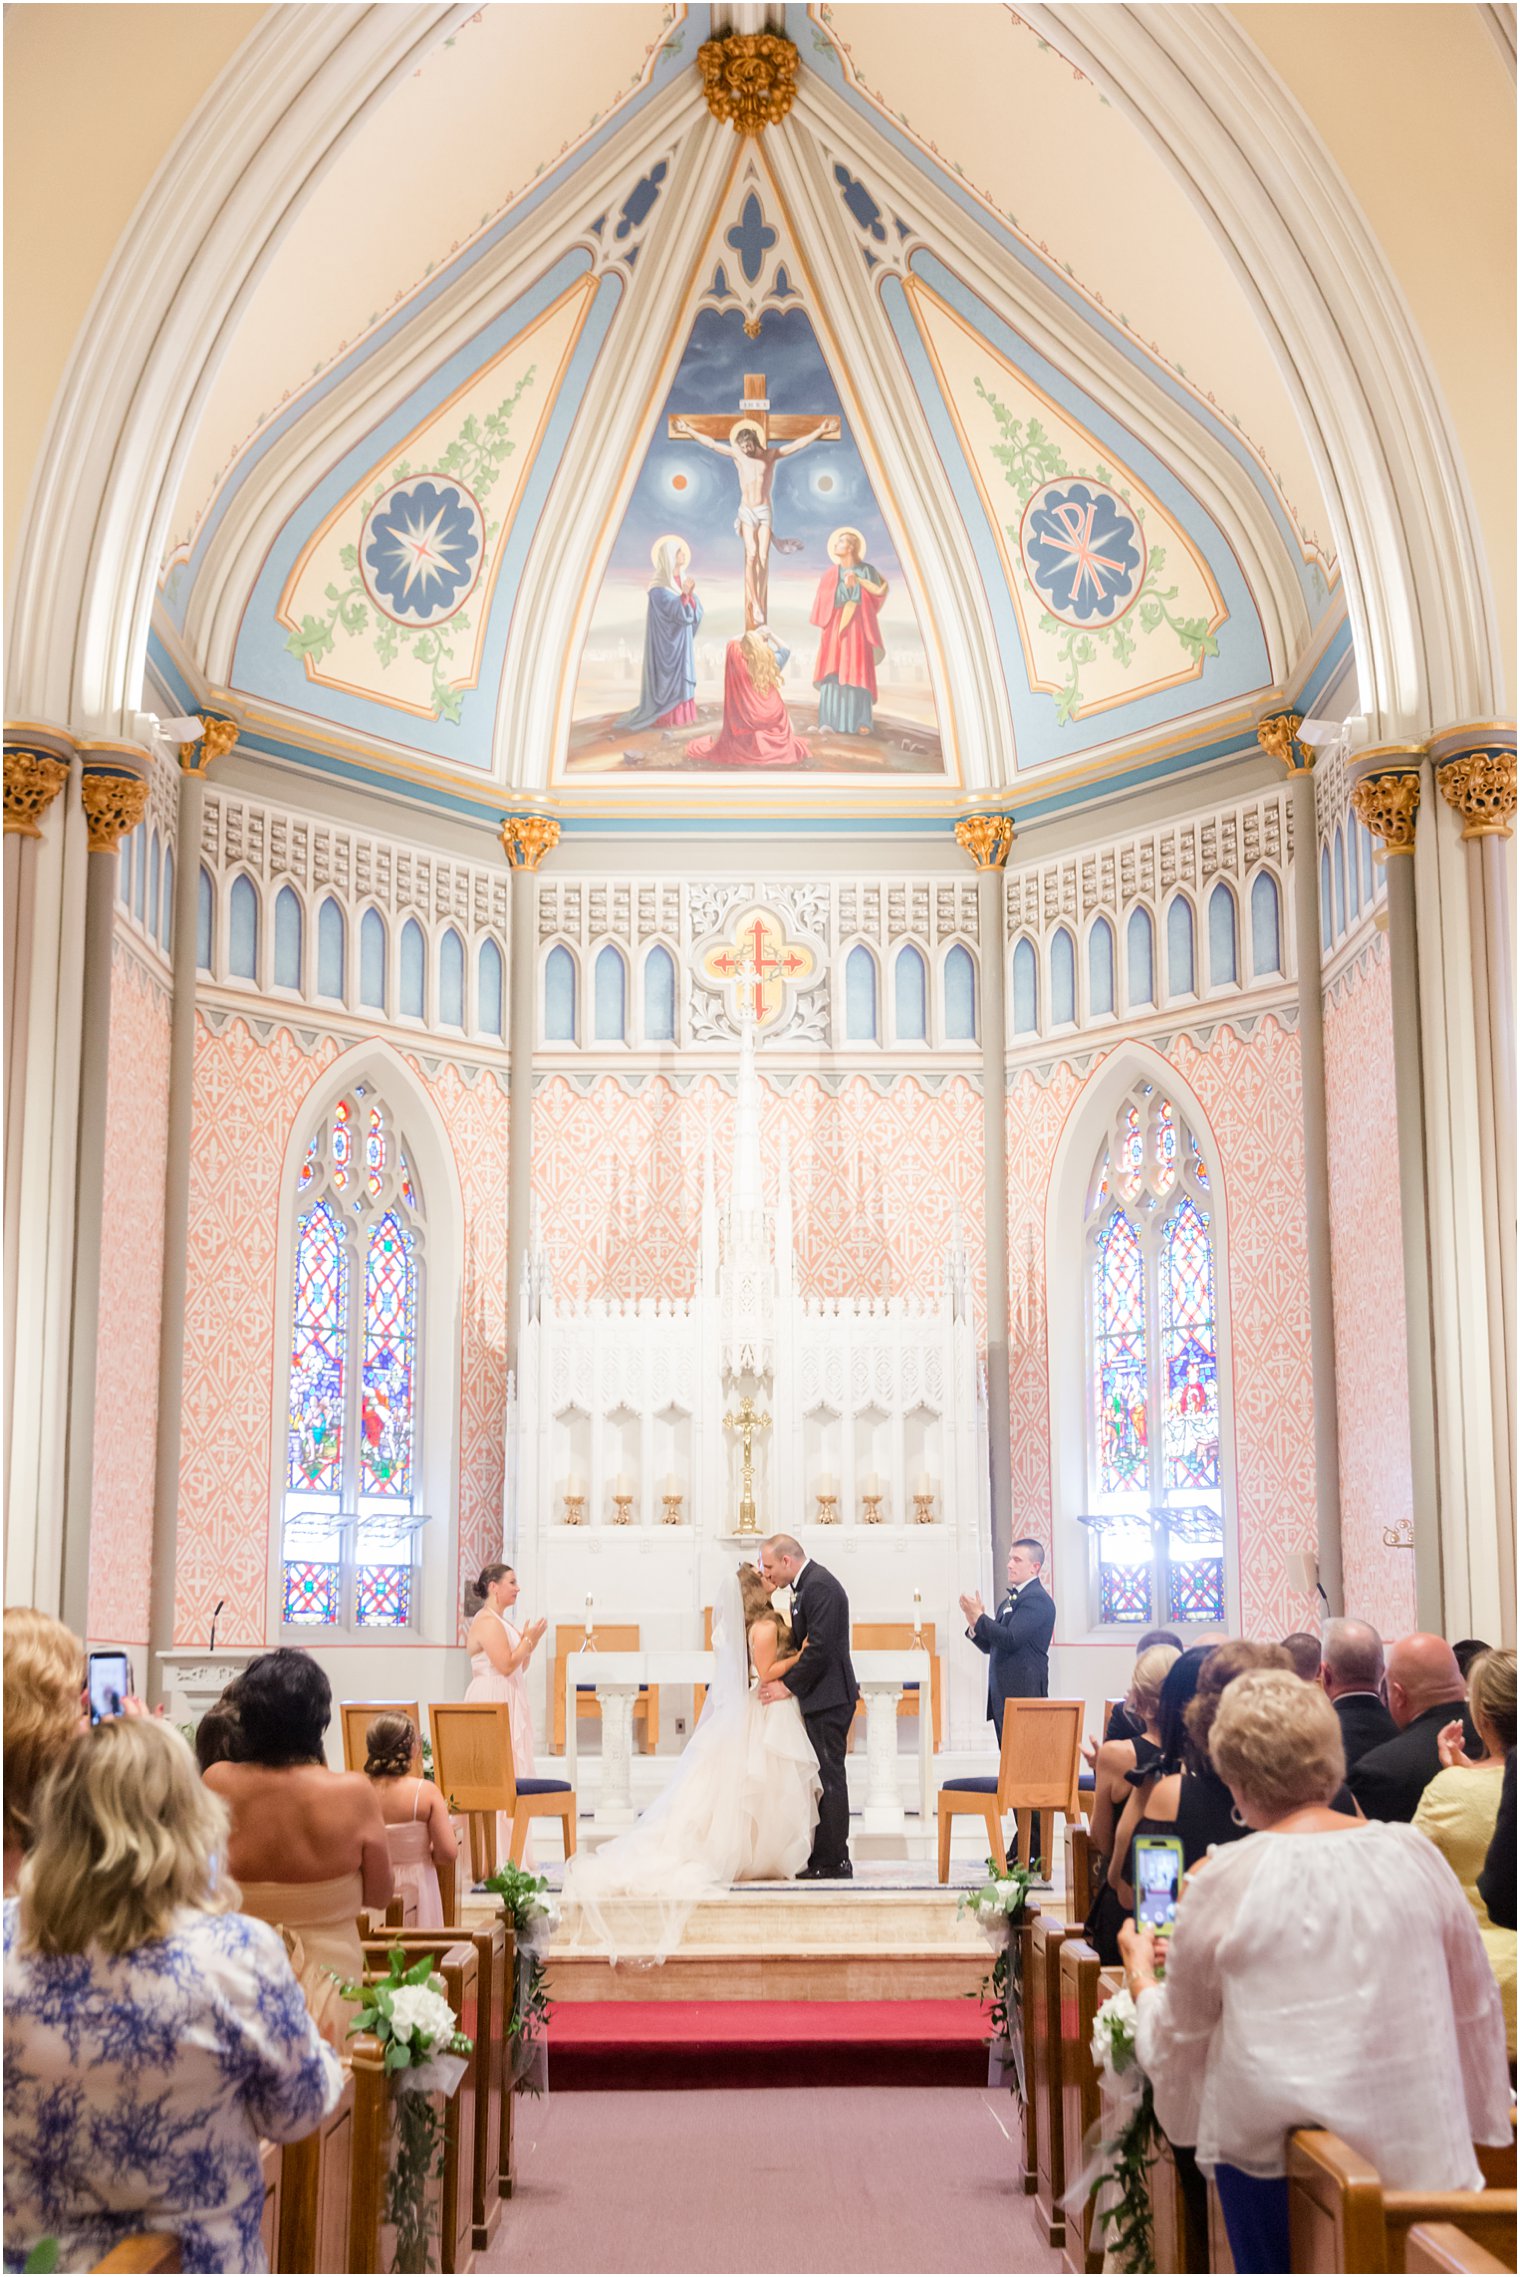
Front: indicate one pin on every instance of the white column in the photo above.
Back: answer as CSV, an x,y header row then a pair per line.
x,y
883,1813
614,1801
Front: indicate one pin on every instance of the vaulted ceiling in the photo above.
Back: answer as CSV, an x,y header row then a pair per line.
x,y
414,532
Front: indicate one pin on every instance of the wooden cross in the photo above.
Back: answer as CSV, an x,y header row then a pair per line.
x,y
755,406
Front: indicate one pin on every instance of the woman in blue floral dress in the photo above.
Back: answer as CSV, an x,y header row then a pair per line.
x,y
152,2035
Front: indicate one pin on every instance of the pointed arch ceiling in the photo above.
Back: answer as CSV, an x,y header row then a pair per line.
x,y
494,541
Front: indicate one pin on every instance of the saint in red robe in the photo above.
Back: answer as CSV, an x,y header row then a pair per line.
x,y
847,611
756,729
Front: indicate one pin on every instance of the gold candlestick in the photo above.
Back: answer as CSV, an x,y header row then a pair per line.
x,y
622,1510
870,1510
923,1509
575,1510
672,1504
747,1422
828,1510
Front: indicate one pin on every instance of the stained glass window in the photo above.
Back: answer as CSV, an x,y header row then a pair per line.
x,y
1155,1474
350,1522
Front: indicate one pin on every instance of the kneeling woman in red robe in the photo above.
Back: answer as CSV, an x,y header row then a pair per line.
x,y
756,729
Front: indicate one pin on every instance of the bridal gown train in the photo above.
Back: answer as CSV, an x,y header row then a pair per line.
x,y
740,1806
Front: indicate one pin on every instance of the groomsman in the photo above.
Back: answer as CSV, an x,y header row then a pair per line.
x,y
1016,1639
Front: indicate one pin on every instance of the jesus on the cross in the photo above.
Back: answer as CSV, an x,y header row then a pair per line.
x,y
744,438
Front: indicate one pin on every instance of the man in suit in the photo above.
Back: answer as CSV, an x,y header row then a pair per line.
x,y
1425,1691
1351,1672
823,1684
1016,1639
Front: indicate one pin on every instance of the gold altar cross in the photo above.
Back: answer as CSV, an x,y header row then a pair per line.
x,y
747,1422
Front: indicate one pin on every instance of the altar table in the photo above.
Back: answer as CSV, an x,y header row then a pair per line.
x,y
615,1677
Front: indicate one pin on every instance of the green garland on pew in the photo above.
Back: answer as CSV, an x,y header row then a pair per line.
x,y
1123,2214
525,1898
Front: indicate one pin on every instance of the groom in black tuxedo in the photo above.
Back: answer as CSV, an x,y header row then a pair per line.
x,y
823,1682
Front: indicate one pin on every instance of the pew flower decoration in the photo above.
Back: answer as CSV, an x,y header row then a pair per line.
x,y
1000,1905
1115,2174
425,2054
526,1901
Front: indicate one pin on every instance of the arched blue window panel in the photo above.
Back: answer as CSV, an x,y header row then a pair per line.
x,y
205,904
1369,866
611,980
1266,925
1353,868
559,996
1224,961
1326,906
1140,954
860,996
1026,989
1063,978
659,997
155,883
491,982
1340,884
1100,967
243,930
372,961
960,997
413,971
166,929
911,997
451,980
140,888
1179,948
332,949
287,939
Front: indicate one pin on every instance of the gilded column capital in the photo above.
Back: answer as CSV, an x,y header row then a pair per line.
x,y
218,738
1480,786
33,780
749,79
1278,737
987,838
1386,796
527,838
113,790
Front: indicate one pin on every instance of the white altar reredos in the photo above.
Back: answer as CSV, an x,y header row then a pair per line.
x,y
877,1401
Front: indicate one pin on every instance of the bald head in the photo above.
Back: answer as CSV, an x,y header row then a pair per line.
x,y
1422,1673
1352,1658
782,1558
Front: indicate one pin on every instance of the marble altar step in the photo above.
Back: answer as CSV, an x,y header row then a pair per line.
x,y
788,1944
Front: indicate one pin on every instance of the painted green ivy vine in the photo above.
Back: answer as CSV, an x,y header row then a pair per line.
x,y
1029,457
475,458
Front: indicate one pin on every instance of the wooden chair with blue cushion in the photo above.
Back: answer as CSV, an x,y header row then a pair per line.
x,y
1038,1770
472,1763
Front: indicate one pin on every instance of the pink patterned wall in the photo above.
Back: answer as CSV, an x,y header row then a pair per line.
x,y
1371,1364
876,1179
1250,1089
131,1291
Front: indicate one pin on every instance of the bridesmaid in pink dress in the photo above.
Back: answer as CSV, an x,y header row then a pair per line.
x,y
499,1656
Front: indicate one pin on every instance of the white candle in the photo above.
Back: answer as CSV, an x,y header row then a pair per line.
x,y
574,1484
826,1485
873,1485
672,1483
925,1483
588,1601
918,1598
622,1486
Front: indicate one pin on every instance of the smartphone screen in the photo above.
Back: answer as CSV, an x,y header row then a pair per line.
x,y
1158,1878
110,1682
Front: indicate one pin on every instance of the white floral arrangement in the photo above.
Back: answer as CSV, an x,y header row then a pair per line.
x,y
1113,2034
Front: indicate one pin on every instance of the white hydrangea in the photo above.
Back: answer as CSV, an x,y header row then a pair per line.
x,y
420,2014
1113,2033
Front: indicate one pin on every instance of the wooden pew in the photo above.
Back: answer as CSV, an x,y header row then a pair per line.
x,y
371,2155
273,2158
506,2174
1079,1857
1078,1973
1021,1934
458,1964
1341,2217
1042,1997
316,2187
1441,2245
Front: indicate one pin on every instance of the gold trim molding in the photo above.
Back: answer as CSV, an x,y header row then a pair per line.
x,y
1388,805
1278,737
987,838
219,738
749,79
33,780
113,805
526,839
1480,786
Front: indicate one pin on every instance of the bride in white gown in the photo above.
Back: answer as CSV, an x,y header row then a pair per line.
x,y
740,1804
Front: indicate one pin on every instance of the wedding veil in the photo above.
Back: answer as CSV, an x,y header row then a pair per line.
x,y
634,1895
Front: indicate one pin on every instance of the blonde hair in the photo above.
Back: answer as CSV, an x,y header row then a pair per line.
x,y
756,1597
1491,1692
1144,1696
129,1837
44,1681
1277,1741
760,658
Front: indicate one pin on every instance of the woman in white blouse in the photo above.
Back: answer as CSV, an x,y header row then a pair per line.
x,y
1324,1972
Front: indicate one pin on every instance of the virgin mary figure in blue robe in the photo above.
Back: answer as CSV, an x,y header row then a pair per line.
x,y
669,692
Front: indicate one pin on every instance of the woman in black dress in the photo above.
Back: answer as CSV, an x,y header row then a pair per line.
x,y
1121,1766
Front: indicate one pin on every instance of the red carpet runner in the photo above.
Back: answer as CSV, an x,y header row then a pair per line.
x,y
767,2043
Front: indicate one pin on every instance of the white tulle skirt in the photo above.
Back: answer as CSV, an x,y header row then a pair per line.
x,y
740,1806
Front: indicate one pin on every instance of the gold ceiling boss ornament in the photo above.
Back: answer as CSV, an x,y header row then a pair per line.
x,y
749,79
113,805
527,838
987,838
1480,786
1278,737
33,780
1387,805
